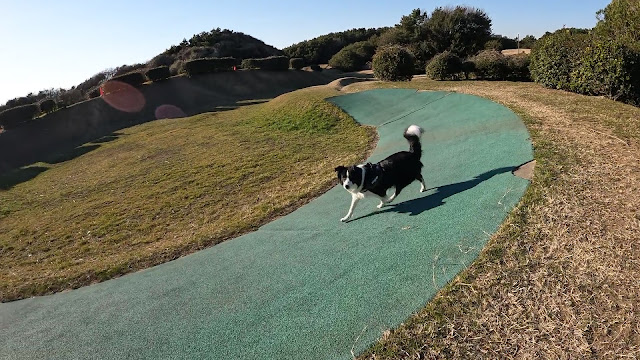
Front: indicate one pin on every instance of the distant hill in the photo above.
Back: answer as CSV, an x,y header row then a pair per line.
x,y
215,43
320,49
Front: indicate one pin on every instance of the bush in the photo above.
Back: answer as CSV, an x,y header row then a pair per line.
x,y
444,66
268,63
13,117
555,56
494,44
518,67
48,105
490,65
162,60
468,67
353,57
315,67
158,73
393,63
610,68
93,93
134,78
208,65
296,63
177,67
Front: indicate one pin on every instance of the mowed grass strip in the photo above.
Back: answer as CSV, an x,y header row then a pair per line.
x,y
169,187
559,280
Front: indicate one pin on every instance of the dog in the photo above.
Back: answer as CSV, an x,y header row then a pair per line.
x,y
397,171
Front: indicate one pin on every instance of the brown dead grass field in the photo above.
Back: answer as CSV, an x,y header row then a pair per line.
x,y
560,278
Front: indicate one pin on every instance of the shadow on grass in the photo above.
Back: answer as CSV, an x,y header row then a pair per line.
x,y
18,176
419,205
71,154
24,174
108,138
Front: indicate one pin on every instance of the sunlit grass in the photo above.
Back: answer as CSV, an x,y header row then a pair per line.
x,y
166,188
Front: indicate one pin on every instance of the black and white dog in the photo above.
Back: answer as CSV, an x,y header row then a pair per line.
x,y
397,171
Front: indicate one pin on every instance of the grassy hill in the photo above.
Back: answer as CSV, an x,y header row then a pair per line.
x,y
154,192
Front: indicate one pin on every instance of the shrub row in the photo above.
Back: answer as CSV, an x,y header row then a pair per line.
x,y
269,63
587,64
158,73
209,65
486,65
132,78
555,56
296,63
608,68
13,117
48,105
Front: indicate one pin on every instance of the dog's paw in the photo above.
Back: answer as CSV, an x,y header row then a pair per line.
x,y
422,188
380,205
345,218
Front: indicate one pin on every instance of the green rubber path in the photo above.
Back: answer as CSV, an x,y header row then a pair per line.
x,y
306,286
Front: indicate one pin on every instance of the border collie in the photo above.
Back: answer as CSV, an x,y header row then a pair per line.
x,y
397,171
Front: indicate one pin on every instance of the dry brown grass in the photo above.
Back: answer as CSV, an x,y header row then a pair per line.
x,y
509,52
560,278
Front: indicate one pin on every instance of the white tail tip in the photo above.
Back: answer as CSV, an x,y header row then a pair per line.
x,y
414,130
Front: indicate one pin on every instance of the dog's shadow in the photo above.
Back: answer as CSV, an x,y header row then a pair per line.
x,y
419,205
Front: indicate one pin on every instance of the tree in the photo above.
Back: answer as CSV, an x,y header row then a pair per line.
x,y
620,20
527,42
461,30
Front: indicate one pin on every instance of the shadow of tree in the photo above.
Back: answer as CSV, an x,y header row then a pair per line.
x,y
71,154
107,138
18,176
419,205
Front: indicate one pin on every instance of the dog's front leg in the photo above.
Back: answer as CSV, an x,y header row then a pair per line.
x,y
354,200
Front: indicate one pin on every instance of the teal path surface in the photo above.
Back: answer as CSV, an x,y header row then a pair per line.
x,y
306,286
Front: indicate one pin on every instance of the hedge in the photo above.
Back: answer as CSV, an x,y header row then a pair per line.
x,y
94,93
209,65
133,78
296,63
444,66
490,65
269,63
555,56
13,117
518,67
393,63
48,105
315,67
158,73
608,67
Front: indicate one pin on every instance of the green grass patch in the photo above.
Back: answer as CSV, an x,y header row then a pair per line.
x,y
166,188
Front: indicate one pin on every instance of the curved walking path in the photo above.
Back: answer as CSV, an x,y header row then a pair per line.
x,y
306,285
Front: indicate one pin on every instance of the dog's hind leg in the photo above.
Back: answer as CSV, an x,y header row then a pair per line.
x,y
423,187
396,192
354,200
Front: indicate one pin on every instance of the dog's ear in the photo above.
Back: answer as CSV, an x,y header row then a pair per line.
x,y
341,171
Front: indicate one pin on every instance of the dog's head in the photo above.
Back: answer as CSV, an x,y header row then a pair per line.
x,y
350,178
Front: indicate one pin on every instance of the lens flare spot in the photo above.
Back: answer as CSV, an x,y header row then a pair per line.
x,y
122,96
169,112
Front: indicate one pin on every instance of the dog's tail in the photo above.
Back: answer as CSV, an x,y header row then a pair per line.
x,y
413,134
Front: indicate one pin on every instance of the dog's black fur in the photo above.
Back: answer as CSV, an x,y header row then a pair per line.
x,y
397,170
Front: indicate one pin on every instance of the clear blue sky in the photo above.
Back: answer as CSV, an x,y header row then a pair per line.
x,y
51,44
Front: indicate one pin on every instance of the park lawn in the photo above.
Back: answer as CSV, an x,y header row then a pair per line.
x,y
157,191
